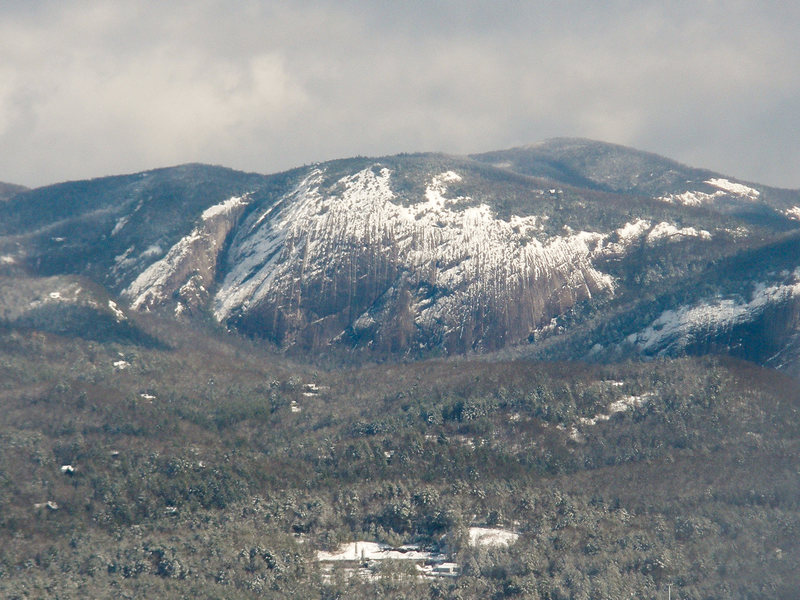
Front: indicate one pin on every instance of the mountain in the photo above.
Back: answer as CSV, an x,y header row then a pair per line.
x,y
208,383
9,190
564,249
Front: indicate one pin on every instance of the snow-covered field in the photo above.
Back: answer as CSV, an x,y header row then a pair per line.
x,y
357,551
491,536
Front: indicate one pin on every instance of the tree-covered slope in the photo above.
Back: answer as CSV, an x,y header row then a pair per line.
x,y
211,468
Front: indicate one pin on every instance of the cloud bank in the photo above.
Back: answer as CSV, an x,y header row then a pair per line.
x,y
95,88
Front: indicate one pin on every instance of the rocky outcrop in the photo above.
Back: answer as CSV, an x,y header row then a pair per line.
x,y
360,266
182,278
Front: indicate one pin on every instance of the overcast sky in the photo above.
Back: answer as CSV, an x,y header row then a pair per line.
x,y
97,88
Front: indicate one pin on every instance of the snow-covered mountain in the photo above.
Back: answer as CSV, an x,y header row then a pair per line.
x,y
569,249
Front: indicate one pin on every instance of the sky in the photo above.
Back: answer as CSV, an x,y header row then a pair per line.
x,y
95,88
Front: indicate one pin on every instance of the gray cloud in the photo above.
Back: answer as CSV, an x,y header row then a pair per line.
x,y
91,88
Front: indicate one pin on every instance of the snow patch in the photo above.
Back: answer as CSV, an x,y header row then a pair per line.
x,y
691,198
358,551
153,250
678,327
223,208
734,188
633,231
7,260
667,230
724,187
121,222
492,537
621,405
120,316
793,213
625,236
147,288
627,403
187,265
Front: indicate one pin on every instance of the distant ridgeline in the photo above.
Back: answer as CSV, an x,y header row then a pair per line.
x,y
568,249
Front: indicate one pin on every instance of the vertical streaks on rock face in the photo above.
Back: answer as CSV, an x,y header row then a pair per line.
x,y
580,247
353,261
183,276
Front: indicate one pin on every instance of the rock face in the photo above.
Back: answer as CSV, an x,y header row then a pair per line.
x,y
183,275
565,249
352,263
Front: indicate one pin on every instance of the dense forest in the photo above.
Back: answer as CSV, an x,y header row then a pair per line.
x,y
189,463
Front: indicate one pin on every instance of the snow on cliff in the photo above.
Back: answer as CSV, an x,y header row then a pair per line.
x,y
455,244
676,328
188,266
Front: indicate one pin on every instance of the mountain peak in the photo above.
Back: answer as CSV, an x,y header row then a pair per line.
x,y
521,250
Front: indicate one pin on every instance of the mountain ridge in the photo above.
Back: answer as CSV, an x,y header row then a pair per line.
x,y
9,190
406,255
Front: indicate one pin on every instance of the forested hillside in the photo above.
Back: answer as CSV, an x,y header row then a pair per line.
x,y
205,466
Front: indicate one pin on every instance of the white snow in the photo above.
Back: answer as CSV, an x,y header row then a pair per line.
x,y
667,230
7,260
152,250
489,536
697,198
356,551
224,208
148,286
691,198
119,365
120,316
158,282
627,403
626,236
455,243
121,222
793,213
678,327
621,405
593,420
632,232
734,188
146,396
443,569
